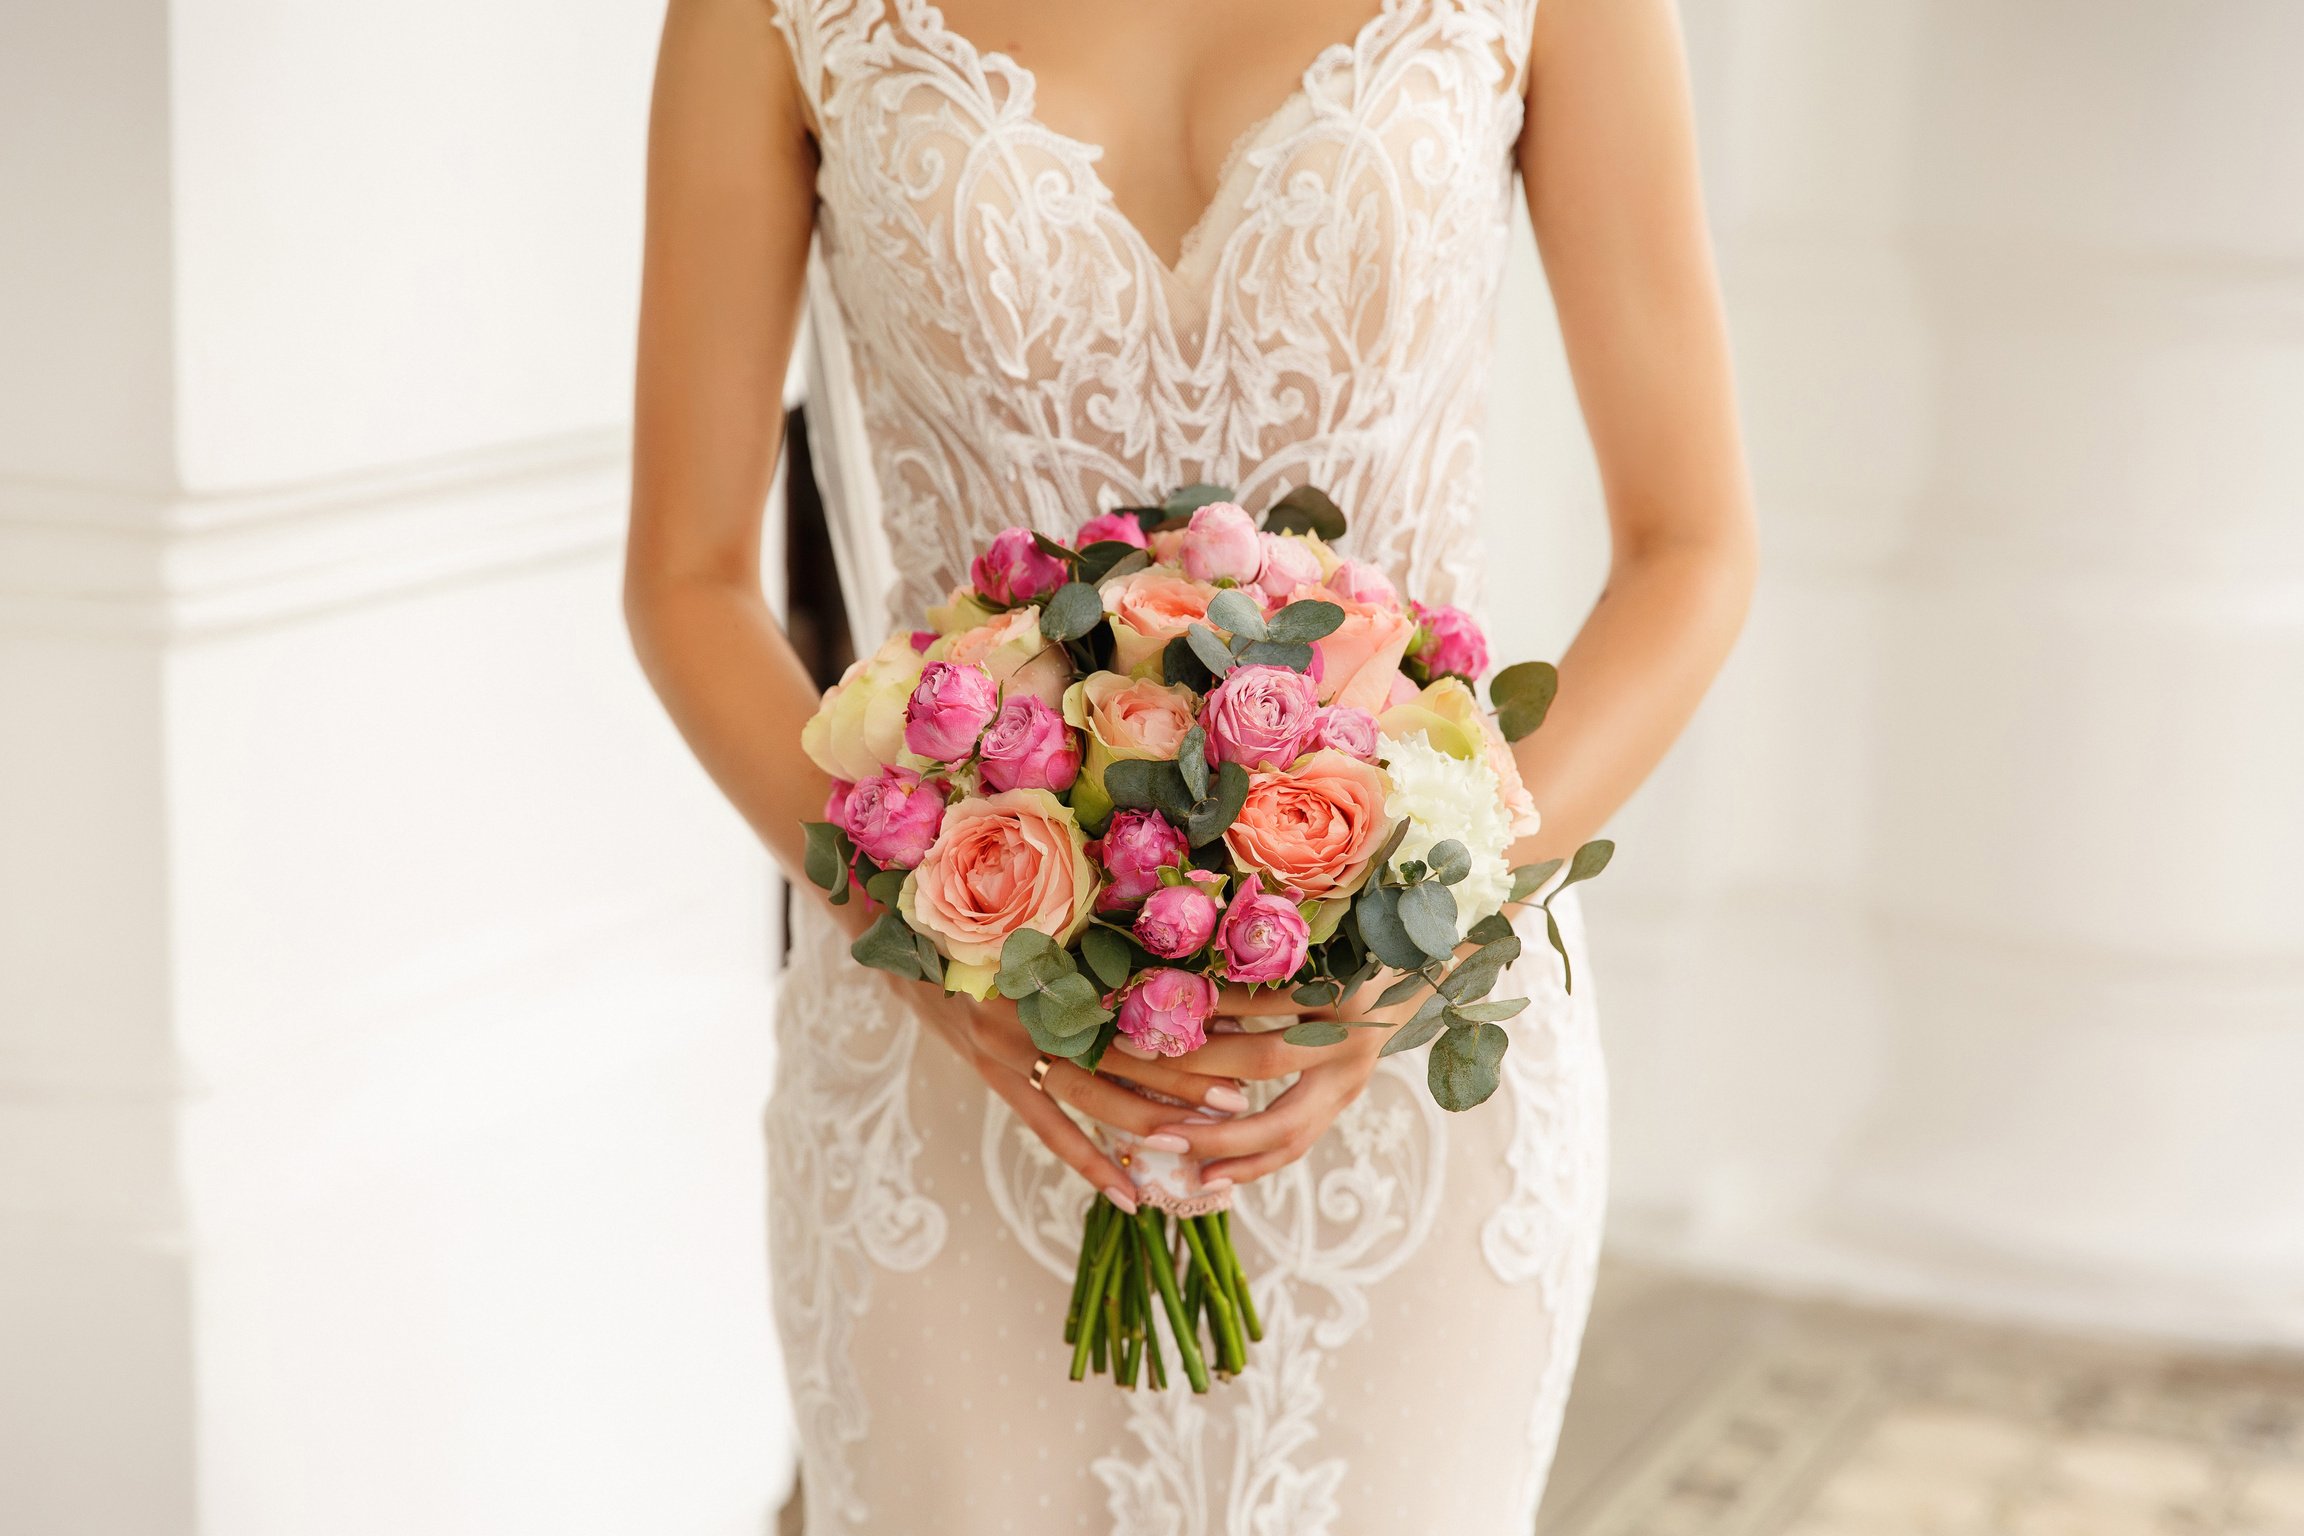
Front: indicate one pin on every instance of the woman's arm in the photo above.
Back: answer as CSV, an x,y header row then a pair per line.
x,y
731,194
1609,159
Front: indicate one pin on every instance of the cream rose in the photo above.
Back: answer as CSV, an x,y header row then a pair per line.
x,y
858,728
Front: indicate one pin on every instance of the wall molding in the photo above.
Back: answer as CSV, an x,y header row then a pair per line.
x,y
110,561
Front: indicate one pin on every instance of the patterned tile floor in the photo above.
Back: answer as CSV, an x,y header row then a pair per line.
x,y
1705,1411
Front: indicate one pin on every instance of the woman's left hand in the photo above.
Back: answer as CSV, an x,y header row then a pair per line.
x,y
1328,1078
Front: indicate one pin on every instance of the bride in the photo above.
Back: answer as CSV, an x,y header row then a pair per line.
x,y
1083,253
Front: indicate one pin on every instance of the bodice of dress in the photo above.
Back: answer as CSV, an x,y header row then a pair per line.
x,y
1021,355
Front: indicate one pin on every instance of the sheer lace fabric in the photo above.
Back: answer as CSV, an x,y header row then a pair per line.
x,y
1016,353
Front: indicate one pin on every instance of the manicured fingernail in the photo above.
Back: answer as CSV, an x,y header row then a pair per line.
x,y
1121,1198
1164,1142
1224,1096
1215,1186
1128,1047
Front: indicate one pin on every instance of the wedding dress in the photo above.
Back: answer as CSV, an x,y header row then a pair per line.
x,y
999,345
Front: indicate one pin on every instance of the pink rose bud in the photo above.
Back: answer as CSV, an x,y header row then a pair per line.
x,y
1362,583
1029,747
1288,564
949,709
894,816
1134,849
1016,570
1111,528
1166,1011
1448,641
1176,921
1262,938
836,803
924,638
1220,544
1347,730
1259,716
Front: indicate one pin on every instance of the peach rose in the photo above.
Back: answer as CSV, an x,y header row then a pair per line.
x,y
1012,649
1312,828
1149,609
1124,718
1001,863
858,728
1359,661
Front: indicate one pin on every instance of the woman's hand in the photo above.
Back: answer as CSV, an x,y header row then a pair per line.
x,y
1328,1078
993,1040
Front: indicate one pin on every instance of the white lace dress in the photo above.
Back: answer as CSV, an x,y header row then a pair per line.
x,y
1015,353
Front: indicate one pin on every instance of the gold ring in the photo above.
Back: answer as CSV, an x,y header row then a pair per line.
x,y
1040,1072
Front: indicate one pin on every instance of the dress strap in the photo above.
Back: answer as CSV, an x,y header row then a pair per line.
x,y
824,37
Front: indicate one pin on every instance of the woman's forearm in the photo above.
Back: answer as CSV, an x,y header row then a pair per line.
x,y
1630,682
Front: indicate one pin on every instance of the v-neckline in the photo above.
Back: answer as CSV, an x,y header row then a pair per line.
x,y
1022,78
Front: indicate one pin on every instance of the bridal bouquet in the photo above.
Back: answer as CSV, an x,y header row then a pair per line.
x,y
1188,750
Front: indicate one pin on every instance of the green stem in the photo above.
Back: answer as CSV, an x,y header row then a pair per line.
x,y
1089,1343
1164,1279
1239,1280
1091,1232
1231,1353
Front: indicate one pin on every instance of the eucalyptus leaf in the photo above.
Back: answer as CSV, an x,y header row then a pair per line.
x,y
885,886
1295,655
887,946
1377,912
825,862
1411,1035
1106,1033
1402,990
1413,872
1486,1013
931,963
1306,621
1054,550
1306,509
1490,928
1463,1071
1211,651
1147,518
1236,612
1590,859
1316,1032
1567,966
1451,862
1107,954
1392,843
1523,696
1099,560
1192,762
1031,962
1186,500
1056,1027
1479,970
1179,663
1528,879
1071,611
1428,912
1212,816
1317,994
1128,564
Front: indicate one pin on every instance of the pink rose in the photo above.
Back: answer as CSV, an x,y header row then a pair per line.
x,y
949,710
1362,583
1259,716
1015,570
1177,920
1313,828
1447,640
1029,747
836,803
1149,609
1001,864
1110,528
1011,648
1134,849
1350,731
1359,660
1166,1011
893,816
1288,564
1166,546
1220,544
1263,938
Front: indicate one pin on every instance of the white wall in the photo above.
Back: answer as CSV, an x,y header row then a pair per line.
x,y
1958,954
383,992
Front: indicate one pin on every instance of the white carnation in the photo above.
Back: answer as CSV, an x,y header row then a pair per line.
x,y
1447,798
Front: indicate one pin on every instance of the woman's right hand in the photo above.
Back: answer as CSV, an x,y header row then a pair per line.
x,y
991,1038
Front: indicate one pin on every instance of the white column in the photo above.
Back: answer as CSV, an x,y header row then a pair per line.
x,y
384,1015
1958,955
